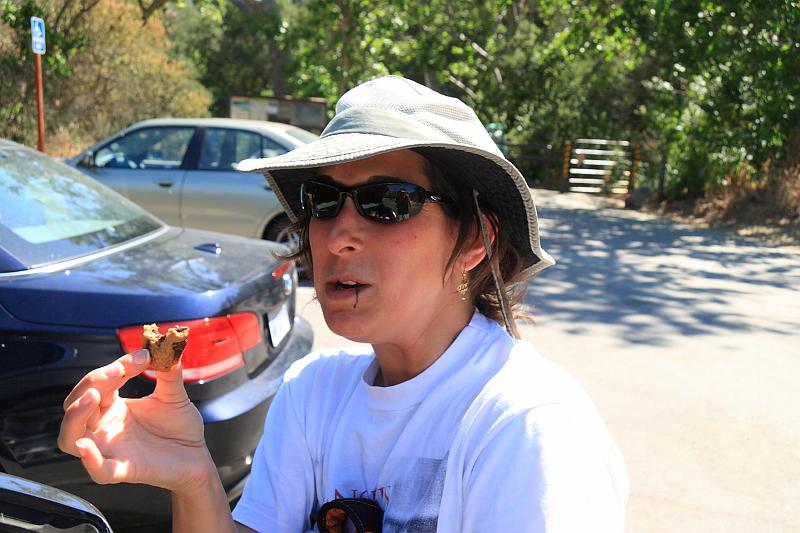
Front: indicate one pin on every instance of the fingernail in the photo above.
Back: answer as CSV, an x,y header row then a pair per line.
x,y
81,448
140,357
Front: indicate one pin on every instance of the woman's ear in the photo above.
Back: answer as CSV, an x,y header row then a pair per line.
x,y
474,249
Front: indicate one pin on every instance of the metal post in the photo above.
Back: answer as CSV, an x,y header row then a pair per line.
x,y
37,67
564,185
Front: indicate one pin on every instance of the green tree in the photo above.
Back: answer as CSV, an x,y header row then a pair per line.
x,y
64,36
98,75
236,48
724,78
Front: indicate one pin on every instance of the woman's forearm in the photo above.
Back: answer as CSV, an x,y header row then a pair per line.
x,y
203,508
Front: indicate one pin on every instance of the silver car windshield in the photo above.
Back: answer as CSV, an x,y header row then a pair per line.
x,y
50,212
301,135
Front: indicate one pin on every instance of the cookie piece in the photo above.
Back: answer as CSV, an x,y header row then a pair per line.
x,y
165,350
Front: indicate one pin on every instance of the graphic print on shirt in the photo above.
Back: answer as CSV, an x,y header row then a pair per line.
x,y
379,495
415,498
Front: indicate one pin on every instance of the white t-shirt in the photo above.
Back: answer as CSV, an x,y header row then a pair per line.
x,y
491,437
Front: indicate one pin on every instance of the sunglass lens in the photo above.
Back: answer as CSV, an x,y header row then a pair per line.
x,y
371,202
323,200
387,202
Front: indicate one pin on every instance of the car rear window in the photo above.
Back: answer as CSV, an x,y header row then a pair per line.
x,y
50,212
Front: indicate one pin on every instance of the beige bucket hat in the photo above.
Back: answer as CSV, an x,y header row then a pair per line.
x,y
393,113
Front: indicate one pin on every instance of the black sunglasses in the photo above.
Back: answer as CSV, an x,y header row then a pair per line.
x,y
380,202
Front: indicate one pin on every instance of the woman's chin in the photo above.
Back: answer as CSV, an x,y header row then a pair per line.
x,y
347,324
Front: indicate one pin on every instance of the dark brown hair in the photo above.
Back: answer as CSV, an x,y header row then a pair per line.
x,y
481,283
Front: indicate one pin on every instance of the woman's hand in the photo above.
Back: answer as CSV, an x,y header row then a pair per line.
x,y
156,440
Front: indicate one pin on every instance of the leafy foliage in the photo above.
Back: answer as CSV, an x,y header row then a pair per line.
x,y
723,79
17,85
235,50
103,70
710,87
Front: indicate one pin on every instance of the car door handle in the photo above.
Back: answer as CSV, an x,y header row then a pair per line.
x,y
267,187
165,183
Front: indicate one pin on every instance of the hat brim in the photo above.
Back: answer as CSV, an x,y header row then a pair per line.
x,y
498,182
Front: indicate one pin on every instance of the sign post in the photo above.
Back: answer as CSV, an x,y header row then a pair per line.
x,y
39,48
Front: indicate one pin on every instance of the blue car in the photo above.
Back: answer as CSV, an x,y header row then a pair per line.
x,y
82,269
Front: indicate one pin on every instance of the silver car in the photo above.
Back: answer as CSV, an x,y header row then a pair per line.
x,y
182,171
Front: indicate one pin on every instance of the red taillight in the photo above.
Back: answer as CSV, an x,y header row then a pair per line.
x,y
215,347
281,270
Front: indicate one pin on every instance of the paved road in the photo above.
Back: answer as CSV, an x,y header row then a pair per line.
x,y
689,342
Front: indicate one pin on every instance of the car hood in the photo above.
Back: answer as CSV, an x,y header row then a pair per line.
x,y
179,275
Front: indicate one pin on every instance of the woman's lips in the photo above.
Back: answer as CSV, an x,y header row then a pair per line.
x,y
337,291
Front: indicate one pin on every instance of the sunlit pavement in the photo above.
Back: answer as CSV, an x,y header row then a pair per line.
x,y
689,342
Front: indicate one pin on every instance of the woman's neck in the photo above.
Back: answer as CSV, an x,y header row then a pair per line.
x,y
399,362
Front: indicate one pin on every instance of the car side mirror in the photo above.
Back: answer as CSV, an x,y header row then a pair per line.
x,y
29,506
87,160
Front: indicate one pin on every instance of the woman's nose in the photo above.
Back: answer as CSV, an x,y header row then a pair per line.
x,y
346,231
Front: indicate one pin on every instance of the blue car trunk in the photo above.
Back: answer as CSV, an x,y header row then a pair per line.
x,y
180,274
56,326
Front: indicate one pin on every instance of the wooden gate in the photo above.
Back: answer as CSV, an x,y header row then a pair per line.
x,y
599,166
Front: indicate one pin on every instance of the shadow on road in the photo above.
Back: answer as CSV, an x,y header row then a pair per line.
x,y
653,279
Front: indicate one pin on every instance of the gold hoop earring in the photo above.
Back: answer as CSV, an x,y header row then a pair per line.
x,y
463,287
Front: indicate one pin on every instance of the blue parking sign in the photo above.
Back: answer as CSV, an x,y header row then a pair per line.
x,y
37,35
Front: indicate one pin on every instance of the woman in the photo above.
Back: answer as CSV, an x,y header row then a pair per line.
x,y
419,236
